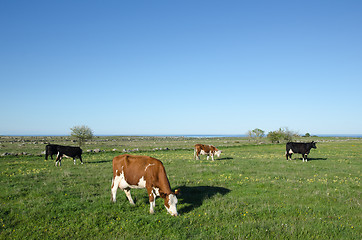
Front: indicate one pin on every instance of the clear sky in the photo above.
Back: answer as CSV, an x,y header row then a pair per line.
x,y
180,67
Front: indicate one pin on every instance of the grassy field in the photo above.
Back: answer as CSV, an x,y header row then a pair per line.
x,y
250,192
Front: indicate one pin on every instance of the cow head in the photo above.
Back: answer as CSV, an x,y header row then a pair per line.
x,y
313,144
171,203
218,152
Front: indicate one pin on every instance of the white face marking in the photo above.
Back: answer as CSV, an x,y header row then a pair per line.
x,y
291,151
218,153
172,202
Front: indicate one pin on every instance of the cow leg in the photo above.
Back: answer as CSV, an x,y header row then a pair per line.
x,y
198,154
207,158
212,157
128,194
115,184
58,159
306,157
74,160
152,200
80,158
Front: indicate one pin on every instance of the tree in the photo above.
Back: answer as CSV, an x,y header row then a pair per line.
x,y
283,134
274,136
82,133
256,133
307,135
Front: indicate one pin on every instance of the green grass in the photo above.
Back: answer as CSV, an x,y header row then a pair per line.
x,y
250,192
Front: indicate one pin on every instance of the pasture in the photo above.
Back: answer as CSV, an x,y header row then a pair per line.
x,y
251,192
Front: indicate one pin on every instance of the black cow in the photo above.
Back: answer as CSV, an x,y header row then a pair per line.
x,y
50,150
302,148
68,151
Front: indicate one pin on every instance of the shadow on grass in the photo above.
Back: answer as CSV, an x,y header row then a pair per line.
x,y
215,159
222,159
312,159
103,161
193,197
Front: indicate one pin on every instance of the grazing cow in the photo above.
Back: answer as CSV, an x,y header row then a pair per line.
x,y
208,150
131,171
68,151
50,150
302,148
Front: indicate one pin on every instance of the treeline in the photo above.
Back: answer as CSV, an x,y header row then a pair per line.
x,y
277,136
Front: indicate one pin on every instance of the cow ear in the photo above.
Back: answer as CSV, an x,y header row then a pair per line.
x,y
177,191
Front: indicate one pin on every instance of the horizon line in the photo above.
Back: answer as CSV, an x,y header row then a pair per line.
x,y
170,135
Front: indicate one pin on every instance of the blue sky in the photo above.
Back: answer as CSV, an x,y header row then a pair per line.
x,y
180,67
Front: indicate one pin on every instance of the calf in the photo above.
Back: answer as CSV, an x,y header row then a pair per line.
x,y
68,151
50,150
208,150
131,171
302,148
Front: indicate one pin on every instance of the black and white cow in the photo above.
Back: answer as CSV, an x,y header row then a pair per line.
x,y
50,150
298,147
68,151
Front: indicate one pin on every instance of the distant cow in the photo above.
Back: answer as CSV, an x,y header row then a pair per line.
x,y
208,150
302,148
68,151
50,150
131,171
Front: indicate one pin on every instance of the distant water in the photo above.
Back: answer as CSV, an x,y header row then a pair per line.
x,y
340,135
211,136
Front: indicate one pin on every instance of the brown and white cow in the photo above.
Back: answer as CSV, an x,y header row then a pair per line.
x,y
208,150
131,171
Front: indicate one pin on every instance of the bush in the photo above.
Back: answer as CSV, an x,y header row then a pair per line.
x,y
283,134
